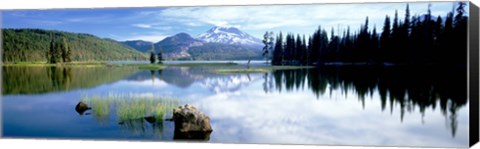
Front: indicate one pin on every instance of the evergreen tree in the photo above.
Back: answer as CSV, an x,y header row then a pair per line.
x,y
160,55
268,42
66,53
375,47
50,50
460,35
152,55
298,49
404,32
54,53
57,54
278,51
428,37
304,58
385,40
396,41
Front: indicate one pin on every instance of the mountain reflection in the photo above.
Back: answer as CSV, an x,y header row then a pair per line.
x,y
410,88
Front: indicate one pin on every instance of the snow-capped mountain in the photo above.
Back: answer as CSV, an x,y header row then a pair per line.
x,y
218,43
229,35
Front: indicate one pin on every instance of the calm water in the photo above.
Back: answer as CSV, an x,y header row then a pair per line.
x,y
328,106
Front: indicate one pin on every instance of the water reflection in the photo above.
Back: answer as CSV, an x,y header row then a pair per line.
x,y
196,136
388,106
185,77
36,80
409,87
140,126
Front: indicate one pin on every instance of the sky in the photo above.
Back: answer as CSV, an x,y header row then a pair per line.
x,y
157,23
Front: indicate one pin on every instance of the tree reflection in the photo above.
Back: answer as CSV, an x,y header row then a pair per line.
x,y
35,80
409,88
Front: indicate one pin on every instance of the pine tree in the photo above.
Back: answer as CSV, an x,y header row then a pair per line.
x,y
460,35
396,41
57,54
298,49
152,54
278,51
66,53
160,55
50,50
385,40
404,39
268,42
54,53
304,59
376,53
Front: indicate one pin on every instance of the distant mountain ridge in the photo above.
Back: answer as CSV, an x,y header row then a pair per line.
x,y
218,43
140,45
177,46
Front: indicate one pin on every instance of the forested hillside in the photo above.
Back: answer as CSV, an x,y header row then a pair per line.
x,y
28,45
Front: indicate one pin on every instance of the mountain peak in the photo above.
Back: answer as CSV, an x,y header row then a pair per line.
x,y
218,29
180,38
182,34
228,35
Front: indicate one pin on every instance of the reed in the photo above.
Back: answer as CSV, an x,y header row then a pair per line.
x,y
128,107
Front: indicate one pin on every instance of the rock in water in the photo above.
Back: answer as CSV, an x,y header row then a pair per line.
x,y
81,108
190,123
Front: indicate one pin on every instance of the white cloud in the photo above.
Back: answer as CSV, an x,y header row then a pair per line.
x,y
293,18
142,25
91,19
301,19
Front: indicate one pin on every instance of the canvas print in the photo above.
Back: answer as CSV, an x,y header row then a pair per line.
x,y
370,74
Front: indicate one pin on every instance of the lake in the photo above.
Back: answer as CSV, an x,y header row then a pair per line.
x,y
362,105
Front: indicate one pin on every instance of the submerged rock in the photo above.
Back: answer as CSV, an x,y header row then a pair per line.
x,y
81,108
190,123
198,136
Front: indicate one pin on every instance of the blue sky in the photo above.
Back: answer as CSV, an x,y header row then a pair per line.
x,y
154,24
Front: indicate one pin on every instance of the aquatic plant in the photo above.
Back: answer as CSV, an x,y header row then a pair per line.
x,y
130,106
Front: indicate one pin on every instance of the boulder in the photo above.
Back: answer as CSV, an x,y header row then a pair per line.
x,y
81,108
190,123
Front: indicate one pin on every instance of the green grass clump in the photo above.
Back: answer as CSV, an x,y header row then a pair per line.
x,y
28,64
150,66
100,107
129,107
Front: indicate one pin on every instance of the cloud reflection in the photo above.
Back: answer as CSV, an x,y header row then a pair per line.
x,y
251,116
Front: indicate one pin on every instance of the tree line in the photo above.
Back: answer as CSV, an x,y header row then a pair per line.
x,y
417,40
